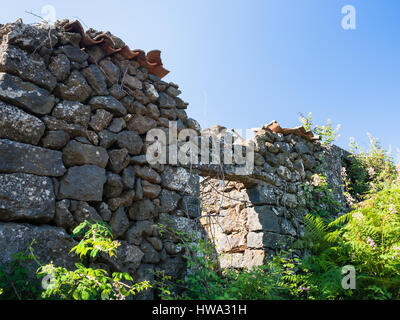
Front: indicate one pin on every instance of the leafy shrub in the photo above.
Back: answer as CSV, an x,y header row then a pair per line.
x,y
206,281
86,283
319,197
366,238
14,281
327,133
373,235
369,172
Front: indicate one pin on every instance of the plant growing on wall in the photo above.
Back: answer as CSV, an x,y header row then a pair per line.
x,y
319,197
14,281
86,283
327,133
206,281
372,171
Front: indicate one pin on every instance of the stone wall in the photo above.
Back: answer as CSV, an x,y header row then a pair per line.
x,y
72,147
251,217
73,125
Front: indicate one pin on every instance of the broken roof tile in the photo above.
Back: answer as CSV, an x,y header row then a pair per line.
x,y
151,61
299,131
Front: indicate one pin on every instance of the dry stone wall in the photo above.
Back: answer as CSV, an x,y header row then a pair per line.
x,y
72,148
73,126
251,217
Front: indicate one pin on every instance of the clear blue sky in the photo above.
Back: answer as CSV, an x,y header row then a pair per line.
x,y
242,64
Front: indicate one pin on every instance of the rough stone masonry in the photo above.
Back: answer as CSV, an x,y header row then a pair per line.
x,y
73,124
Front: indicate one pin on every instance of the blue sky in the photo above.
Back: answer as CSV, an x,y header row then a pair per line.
x,y
242,64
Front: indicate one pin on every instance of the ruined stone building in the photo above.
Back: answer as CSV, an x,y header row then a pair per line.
x,y
75,109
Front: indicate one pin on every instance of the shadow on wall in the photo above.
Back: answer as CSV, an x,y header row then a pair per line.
x,y
252,217
245,228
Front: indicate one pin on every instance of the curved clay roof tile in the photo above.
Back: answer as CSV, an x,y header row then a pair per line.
x,y
300,131
86,40
152,61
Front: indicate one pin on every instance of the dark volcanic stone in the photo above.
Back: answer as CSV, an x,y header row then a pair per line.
x,y
25,95
150,190
131,141
180,180
119,160
169,114
262,194
141,124
74,130
114,186
73,112
60,67
63,217
20,157
152,111
101,120
85,212
302,148
74,53
96,53
262,218
117,92
111,71
52,244
18,125
28,37
148,174
142,210
138,189
96,79
108,103
77,154
139,230
127,198
107,138
127,259
128,177
55,140
104,211
309,161
83,183
191,205
169,200
166,101
75,88
119,223
117,125
26,197
28,67
150,254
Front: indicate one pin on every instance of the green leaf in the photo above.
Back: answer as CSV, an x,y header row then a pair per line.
x,y
127,277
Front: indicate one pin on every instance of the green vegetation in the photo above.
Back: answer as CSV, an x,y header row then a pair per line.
x,y
14,281
83,283
86,283
366,238
319,197
206,281
327,133
369,172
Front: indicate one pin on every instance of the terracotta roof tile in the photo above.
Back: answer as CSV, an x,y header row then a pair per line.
x,y
151,61
300,131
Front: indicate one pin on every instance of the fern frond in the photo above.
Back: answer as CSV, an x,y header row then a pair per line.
x,y
342,220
